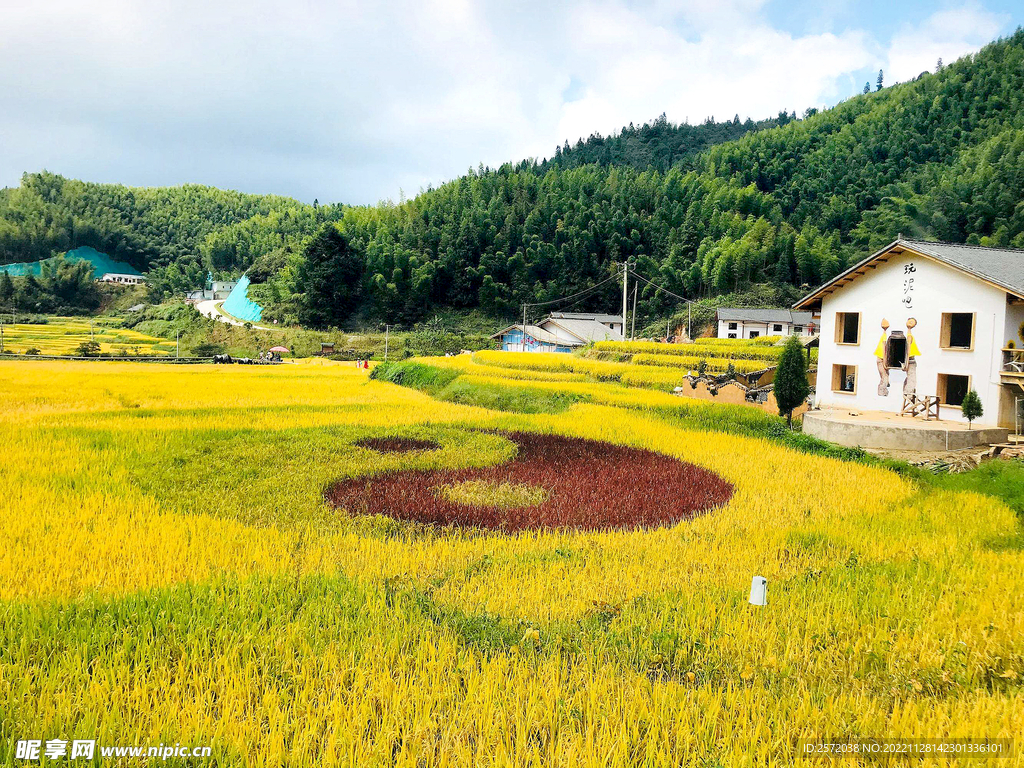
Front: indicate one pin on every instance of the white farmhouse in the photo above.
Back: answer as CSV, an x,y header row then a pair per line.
x,y
122,278
561,332
918,320
756,322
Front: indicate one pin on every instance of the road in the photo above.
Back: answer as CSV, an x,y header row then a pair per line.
x,y
211,308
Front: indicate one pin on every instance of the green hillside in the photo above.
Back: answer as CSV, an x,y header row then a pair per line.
x,y
940,157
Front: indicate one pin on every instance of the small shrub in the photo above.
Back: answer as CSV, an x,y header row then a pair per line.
x,y
32,351
971,407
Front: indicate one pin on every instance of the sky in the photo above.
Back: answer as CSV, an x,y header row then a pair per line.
x,y
356,102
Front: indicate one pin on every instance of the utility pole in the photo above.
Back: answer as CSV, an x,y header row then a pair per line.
x,y
632,327
524,327
386,328
626,276
689,332
177,344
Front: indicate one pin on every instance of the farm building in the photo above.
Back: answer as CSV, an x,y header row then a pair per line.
x,y
561,332
914,327
122,279
219,290
756,322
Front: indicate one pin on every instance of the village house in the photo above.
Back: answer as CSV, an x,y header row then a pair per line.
x,y
218,291
561,332
121,278
757,322
921,323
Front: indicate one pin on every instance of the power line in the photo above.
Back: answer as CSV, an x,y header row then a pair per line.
x,y
660,288
689,302
571,296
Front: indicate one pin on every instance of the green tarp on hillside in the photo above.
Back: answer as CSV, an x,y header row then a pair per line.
x,y
238,304
101,264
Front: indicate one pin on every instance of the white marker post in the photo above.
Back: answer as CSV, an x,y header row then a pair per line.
x,y
759,591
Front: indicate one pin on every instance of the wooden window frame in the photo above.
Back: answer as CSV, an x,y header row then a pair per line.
x,y
841,327
946,327
940,389
835,377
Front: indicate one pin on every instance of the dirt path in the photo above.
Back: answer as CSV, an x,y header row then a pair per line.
x,y
211,308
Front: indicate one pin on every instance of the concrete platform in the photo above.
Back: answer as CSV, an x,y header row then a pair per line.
x,y
880,429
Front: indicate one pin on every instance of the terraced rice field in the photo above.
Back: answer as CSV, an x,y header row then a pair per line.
x,y
63,335
173,571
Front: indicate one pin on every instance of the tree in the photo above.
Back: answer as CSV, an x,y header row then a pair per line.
x,y
88,349
867,87
971,407
878,82
331,276
791,387
938,65
6,291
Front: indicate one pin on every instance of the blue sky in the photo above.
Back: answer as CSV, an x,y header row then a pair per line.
x,y
356,102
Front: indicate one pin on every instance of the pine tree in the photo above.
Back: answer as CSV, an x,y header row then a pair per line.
x,y
878,83
971,407
791,387
867,87
939,65
6,291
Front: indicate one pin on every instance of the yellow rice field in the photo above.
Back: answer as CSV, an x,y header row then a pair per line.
x,y
170,573
61,336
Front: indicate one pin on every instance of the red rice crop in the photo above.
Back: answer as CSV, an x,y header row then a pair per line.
x,y
591,485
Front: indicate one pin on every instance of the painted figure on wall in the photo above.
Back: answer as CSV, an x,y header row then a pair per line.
x,y
910,385
883,369
897,350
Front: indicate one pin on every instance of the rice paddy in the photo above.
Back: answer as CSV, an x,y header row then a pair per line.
x,y
61,336
172,572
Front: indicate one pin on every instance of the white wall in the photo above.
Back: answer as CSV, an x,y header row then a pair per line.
x,y
936,289
743,329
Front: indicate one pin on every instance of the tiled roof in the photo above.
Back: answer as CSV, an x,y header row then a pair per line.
x,y
761,315
1003,267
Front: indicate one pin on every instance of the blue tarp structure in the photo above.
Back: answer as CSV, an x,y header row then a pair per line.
x,y
238,304
101,264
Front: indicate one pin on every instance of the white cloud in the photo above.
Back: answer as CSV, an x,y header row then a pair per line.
x,y
947,34
350,101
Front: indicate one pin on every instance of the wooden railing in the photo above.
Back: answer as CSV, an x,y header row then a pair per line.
x,y
921,405
1013,360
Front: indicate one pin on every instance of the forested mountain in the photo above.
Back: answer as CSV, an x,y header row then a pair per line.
x,y
659,144
940,157
181,232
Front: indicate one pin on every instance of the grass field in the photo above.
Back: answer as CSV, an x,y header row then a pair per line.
x,y
63,335
171,573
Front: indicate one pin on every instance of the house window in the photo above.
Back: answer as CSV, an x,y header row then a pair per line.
x,y
952,388
732,335
732,326
844,378
798,330
754,334
847,327
777,328
957,330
